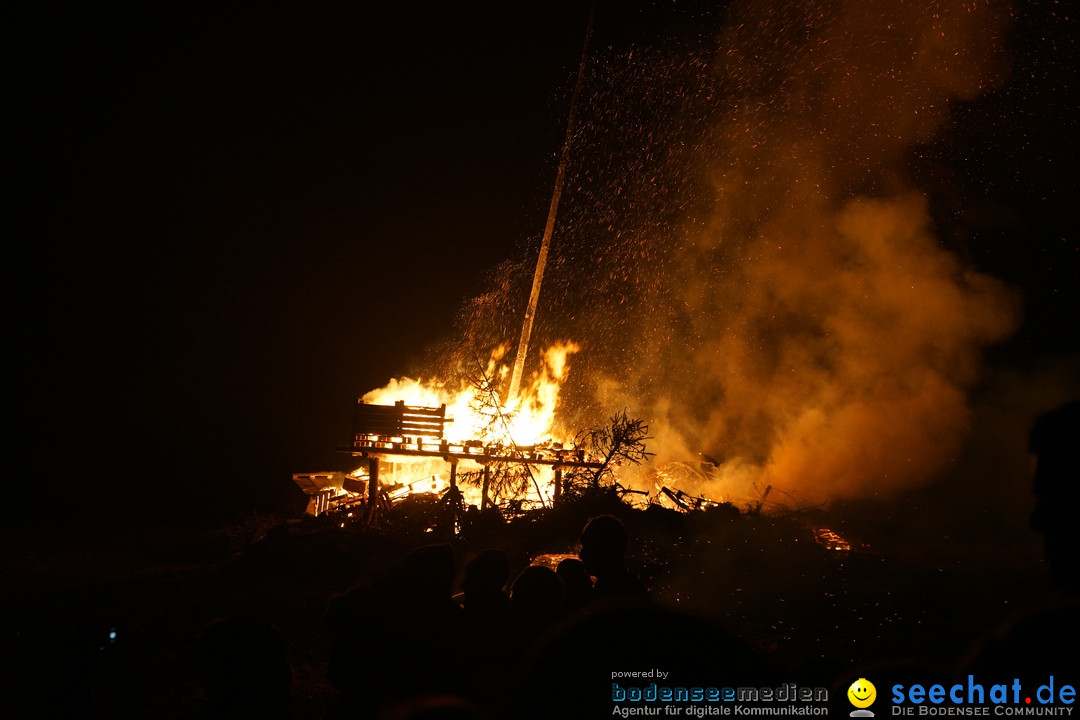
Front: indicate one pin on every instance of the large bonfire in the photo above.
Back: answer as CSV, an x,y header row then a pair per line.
x,y
746,262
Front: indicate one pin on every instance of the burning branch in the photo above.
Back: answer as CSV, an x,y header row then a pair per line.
x,y
621,440
502,480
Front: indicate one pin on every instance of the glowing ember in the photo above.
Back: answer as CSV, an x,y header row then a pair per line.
x,y
830,540
552,560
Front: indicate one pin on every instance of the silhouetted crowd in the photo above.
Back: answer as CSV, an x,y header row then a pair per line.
x,y
546,644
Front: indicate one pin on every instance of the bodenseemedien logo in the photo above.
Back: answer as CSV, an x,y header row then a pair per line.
x,y
696,701
862,694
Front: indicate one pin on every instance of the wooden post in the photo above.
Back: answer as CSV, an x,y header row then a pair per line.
x,y
453,499
549,228
485,501
373,489
557,495
373,480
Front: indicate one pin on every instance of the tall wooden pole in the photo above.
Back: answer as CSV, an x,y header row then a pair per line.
x,y
549,228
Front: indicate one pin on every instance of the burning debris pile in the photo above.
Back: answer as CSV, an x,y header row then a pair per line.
x,y
463,448
474,451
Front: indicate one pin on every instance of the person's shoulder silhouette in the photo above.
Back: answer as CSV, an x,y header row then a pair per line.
x,y
1055,440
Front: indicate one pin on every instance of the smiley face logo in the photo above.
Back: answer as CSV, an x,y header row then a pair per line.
x,y
862,693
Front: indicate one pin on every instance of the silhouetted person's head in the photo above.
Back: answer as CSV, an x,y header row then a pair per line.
x,y
1055,439
487,572
432,569
485,577
536,597
245,669
372,638
576,583
603,545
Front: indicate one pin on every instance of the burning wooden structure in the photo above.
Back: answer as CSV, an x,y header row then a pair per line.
x,y
381,432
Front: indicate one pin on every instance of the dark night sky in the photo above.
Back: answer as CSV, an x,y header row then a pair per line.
x,y
217,210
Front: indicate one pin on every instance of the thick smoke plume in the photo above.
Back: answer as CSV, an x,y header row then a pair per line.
x,y
745,261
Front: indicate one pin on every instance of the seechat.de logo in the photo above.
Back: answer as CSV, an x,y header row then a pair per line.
x,y
1051,697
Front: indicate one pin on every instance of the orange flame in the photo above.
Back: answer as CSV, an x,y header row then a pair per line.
x,y
478,412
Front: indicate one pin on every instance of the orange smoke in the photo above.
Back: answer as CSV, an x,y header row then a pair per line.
x,y
828,341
